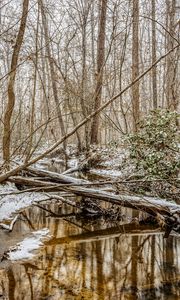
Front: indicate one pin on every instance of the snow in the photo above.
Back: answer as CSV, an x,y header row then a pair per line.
x,y
12,203
73,163
24,249
111,163
106,172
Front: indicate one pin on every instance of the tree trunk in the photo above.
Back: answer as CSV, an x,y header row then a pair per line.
x,y
135,65
52,71
171,90
11,84
99,75
84,103
29,150
154,73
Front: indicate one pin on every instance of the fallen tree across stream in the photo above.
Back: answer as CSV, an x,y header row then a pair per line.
x,y
167,213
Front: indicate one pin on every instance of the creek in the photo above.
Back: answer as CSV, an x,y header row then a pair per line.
x,y
91,258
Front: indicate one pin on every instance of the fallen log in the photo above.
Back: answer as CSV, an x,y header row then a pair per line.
x,y
85,164
154,207
65,201
60,178
31,181
54,176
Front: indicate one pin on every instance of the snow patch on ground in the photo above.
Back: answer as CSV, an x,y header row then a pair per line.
x,y
114,158
111,163
106,172
73,163
12,203
24,250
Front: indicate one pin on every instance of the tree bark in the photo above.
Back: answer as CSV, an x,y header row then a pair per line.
x,y
54,176
29,150
84,103
99,75
135,65
171,89
154,72
11,83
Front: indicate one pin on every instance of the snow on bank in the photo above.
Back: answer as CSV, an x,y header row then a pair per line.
x,y
12,203
24,250
106,172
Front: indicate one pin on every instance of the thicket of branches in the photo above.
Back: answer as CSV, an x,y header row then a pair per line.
x,y
61,60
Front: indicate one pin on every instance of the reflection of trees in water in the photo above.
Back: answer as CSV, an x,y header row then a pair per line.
x,y
134,261
49,266
152,266
12,284
104,268
170,271
134,267
100,274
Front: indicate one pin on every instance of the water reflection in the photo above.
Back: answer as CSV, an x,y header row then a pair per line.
x,y
112,262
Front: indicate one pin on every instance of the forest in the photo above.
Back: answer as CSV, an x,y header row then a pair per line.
x,y
89,149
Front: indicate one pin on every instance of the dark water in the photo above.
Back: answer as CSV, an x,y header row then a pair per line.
x,y
93,260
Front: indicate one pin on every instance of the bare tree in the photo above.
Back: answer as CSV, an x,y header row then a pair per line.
x,y
135,64
11,84
154,47
64,77
99,74
171,63
52,70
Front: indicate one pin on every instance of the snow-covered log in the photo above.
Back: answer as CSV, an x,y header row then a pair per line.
x,y
54,176
153,206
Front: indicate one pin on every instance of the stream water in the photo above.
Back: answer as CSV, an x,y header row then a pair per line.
x,y
90,259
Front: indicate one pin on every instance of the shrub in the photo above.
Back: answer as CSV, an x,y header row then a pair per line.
x,y
154,149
